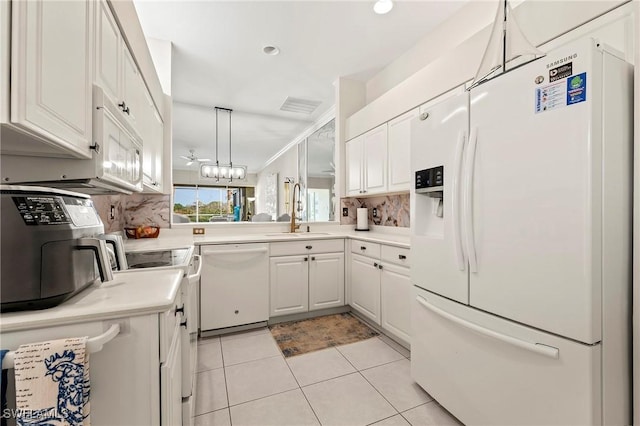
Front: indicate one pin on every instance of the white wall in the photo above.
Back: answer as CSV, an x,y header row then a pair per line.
x,y
286,166
162,55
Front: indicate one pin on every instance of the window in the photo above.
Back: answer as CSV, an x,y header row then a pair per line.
x,y
210,204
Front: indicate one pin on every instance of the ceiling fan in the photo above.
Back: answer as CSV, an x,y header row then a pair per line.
x,y
191,158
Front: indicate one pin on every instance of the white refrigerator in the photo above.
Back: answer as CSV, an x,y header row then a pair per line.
x,y
521,230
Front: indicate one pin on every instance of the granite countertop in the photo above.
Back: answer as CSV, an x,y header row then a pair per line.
x,y
128,294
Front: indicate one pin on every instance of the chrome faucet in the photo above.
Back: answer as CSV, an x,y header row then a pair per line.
x,y
293,209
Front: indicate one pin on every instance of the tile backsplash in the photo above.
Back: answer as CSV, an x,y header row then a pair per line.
x,y
131,210
392,210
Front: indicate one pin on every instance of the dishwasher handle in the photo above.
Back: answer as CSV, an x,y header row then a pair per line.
x,y
234,252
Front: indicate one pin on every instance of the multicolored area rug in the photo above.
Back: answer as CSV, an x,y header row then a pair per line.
x,y
299,337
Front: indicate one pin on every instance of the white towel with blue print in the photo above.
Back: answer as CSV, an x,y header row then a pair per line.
x,y
52,383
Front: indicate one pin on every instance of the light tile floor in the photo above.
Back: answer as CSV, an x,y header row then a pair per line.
x,y
243,379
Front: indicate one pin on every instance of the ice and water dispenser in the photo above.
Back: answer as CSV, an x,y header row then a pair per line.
x,y
429,184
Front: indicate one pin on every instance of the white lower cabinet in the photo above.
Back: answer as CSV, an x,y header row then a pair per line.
x,y
326,281
136,378
289,284
380,287
305,278
365,287
395,288
171,383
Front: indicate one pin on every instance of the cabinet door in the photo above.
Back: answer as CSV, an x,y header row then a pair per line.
x,y
395,289
375,160
365,287
158,157
108,52
51,72
354,166
326,281
171,385
289,284
399,159
131,91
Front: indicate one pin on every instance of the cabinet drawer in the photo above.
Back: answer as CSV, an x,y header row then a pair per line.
x,y
290,248
365,248
169,325
397,255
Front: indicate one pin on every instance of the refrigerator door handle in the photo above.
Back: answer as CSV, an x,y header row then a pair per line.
x,y
455,191
538,348
468,200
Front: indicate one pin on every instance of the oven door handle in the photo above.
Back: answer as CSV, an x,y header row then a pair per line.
x,y
196,258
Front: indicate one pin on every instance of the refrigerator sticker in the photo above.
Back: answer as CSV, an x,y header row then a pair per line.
x,y
577,89
551,97
563,71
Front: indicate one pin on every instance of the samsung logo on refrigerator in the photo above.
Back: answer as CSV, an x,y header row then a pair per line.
x,y
562,60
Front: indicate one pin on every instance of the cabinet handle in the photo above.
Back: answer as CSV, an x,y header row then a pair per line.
x,y
123,106
236,312
402,257
309,247
379,266
180,309
313,258
306,259
183,324
363,248
375,264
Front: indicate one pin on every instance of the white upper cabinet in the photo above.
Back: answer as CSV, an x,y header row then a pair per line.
x,y
355,169
366,160
109,43
132,96
399,159
152,128
375,160
51,73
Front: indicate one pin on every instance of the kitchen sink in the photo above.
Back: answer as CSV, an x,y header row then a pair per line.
x,y
301,234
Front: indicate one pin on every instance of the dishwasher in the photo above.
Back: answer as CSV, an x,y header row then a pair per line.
x,y
234,286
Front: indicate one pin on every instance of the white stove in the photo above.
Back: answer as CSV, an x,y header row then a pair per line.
x,y
185,259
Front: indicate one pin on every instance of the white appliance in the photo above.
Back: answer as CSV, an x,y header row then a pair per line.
x,y
521,224
234,288
185,259
115,166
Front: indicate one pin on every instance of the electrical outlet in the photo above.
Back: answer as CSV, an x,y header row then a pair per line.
x,y
345,211
375,212
198,231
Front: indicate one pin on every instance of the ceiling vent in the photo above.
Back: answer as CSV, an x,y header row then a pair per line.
x,y
303,106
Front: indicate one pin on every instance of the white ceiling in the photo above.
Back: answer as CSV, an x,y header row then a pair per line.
x,y
218,61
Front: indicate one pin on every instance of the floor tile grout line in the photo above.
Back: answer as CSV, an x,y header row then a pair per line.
x,y
382,340
380,393
302,391
262,397
252,360
226,387
380,365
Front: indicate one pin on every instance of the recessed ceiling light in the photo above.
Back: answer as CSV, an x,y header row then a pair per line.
x,y
271,50
382,6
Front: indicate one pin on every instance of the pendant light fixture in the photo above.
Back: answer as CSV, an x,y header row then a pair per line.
x,y
223,171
